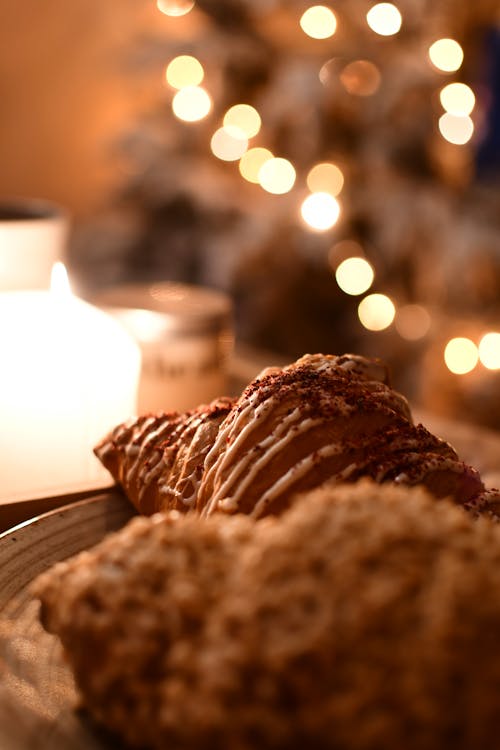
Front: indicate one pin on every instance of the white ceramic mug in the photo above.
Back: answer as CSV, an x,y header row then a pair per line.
x,y
33,236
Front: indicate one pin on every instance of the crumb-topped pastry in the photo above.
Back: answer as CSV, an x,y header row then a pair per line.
x,y
321,418
366,616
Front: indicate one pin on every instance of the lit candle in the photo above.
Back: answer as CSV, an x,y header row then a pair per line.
x,y
68,373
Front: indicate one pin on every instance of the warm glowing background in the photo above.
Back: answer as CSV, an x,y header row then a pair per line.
x,y
323,165
64,94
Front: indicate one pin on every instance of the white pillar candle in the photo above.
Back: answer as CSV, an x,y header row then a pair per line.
x,y
68,374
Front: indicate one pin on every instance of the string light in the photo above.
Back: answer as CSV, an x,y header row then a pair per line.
x,y
384,19
446,55
175,8
461,355
412,322
354,275
277,175
489,350
376,312
360,78
228,143
319,22
191,104
326,178
252,161
457,99
244,117
456,129
320,211
183,71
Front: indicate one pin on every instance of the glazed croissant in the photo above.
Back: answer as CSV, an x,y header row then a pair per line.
x,y
158,459
322,418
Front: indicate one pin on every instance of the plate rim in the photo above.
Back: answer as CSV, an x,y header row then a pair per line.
x,y
68,504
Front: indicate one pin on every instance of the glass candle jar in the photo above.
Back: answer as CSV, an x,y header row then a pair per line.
x,y
185,334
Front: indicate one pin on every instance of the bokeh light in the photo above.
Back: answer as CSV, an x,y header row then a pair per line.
x,y
461,355
277,175
244,117
354,275
184,70
228,143
456,129
384,19
489,350
252,161
175,8
457,99
325,178
319,22
412,322
376,312
446,55
191,104
360,78
320,211
328,72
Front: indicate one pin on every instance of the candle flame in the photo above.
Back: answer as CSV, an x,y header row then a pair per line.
x,y
59,283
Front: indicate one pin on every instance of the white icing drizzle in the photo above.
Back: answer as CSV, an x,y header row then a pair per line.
x,y
370,372
227,461
178,494
287,430
389,459
169,457
184,478
217,459
146,440
178,436
228,504
427,463
239,461
365,369
402,478
235,461
296,472
149,476
109,446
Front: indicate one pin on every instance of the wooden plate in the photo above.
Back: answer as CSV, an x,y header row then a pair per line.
x,y
38,700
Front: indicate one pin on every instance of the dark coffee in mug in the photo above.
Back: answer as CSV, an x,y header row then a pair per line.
x,y
27,210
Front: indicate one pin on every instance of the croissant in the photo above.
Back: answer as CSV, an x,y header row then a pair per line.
x,y
322,418
158,459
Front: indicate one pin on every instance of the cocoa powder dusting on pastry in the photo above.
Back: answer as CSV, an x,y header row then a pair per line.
x,y
322,418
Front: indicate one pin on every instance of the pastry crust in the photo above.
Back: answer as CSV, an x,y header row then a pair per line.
x,y
323,418
158,459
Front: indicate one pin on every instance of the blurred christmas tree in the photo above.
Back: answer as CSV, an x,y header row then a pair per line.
x,y
355,191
